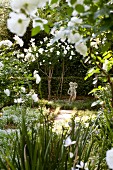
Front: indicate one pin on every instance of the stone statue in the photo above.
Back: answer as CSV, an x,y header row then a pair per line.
x,y
72,91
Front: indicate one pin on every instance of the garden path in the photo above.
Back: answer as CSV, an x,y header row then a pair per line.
x,y
64,115
63,118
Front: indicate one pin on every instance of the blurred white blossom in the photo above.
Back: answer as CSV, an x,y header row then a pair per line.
x,y
30,6
7,92
71,154
6,43
41,50
28,56
37,77
105,65
70,57
35,97
58,52
81,48
109,158
18,40
72,53
82,165
65,51
74,20
68,142
18,23
1,65
39,22
23,89
74,38
19,100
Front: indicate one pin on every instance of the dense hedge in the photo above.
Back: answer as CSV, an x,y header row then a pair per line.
x,y
84,87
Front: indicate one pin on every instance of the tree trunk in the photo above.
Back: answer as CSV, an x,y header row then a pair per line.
x,y
62,79
49,82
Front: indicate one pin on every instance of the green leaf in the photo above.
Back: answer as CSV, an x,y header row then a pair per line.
x,y
47,29
106,47
73,2
79,8
106,26
35,31
54,1
69,11
87,2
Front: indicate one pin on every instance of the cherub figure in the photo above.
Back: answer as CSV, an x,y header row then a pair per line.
x,y
72,91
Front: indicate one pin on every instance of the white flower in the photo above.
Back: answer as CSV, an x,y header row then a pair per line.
x,y
41,3
71,154
68,142
6,43
59,34
105,65
23,89
41,42
28,56
95,42
37,55
41,50
70,57
74,13
65,51
19,100
109,158
30,6
35,97
1,65
74,38
74,168
71,24
51,50
7,92
81,48
72,53
37,77
18,40
35,72
76,20
58,53
54,4
68,48
39,22
18,23
25,50
82,165
45,39
79,1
